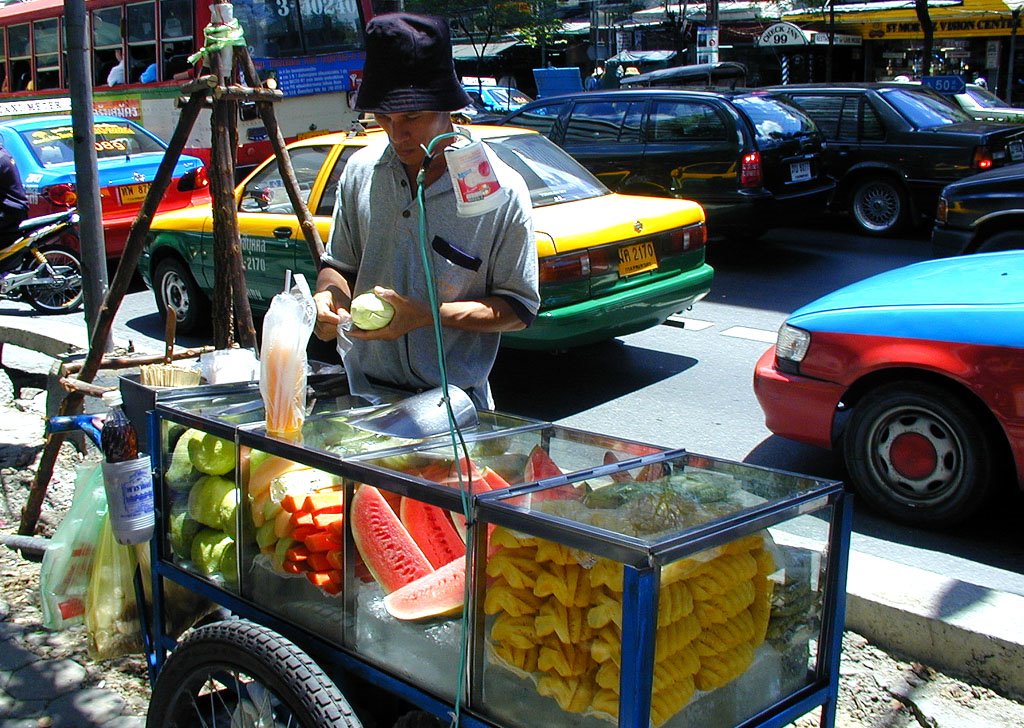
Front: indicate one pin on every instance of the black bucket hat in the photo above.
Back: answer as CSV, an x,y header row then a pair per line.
x,y
409,66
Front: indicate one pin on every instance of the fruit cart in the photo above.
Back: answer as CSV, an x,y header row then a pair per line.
x,y
545,576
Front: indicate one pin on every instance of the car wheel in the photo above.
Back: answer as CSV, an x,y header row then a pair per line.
x,y
879,206
174,286
1006,240
917,453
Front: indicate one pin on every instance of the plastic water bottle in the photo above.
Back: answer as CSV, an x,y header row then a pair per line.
x,y
127,477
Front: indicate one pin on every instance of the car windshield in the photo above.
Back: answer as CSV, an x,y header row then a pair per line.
x,y
773,118
551,174
54,145
985,98
922,109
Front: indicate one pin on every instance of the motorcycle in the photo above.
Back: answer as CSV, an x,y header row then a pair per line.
x,y
37,269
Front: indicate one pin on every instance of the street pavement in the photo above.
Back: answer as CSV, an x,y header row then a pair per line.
x,y
966,630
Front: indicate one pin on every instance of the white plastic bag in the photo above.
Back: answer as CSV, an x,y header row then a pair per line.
x,y
64,573
286,331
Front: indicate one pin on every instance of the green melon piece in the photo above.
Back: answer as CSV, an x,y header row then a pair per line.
x,y
438,594
389,552
212,455
265,535
277,558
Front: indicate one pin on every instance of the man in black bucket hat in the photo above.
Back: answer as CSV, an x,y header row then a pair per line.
x,y
485,266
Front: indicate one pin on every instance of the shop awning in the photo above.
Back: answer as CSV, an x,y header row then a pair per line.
x,y
471,52
627,57
898,18
728,11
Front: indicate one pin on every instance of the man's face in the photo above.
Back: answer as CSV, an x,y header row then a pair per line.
x,y
410,131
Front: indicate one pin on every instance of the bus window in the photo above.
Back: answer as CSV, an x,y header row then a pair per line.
x,y
47,55
21,58
5,83
176,20
328,27
106,40
271,27
140,29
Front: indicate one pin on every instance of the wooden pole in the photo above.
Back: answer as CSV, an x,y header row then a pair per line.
x,y
284,161
108,309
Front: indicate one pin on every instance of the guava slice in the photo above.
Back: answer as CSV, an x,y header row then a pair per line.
x,y
387,549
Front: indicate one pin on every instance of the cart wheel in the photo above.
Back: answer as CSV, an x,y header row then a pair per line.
x,y
238,674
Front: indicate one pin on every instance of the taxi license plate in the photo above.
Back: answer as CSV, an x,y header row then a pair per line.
x,y
1016,150
800,171
132,193
637,258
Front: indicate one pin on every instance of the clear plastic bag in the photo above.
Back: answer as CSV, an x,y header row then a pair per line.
x,y
111,612
286,331
64,573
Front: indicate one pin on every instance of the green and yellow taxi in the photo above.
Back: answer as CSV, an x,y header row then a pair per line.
x,y
610,264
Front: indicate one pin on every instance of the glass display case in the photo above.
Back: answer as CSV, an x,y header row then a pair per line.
x,y
609,581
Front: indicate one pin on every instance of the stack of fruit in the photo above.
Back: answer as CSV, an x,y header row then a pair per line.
x,y
558,617
298,513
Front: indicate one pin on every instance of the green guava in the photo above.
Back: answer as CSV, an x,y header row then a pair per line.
x,y
213,501
369,311
211,454
179,474
183,530
208,550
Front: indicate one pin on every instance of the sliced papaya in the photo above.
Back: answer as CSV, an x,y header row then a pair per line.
x,y
387,549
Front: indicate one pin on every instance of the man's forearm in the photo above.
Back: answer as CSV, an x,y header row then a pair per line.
x,y
486,315
330,279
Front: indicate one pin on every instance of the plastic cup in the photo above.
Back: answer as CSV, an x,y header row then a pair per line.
x,y
129,487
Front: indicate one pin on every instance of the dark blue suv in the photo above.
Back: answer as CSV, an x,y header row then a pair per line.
x,y
751,160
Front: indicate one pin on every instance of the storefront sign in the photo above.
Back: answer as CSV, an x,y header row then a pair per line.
x,y
313,74
707,45
841,39
960,28
782,34
992,54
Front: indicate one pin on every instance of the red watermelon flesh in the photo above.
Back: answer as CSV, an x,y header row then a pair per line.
x,y
540,466
387,549
431,528
434,595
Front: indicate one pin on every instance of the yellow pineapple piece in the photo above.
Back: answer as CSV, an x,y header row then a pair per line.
x,y
517,602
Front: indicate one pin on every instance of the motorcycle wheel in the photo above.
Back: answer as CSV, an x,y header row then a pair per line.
x,y
57,287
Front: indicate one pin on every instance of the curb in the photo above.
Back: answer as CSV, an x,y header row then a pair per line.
x,y
965,630
961,628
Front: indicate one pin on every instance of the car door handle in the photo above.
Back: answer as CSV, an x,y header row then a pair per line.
x,y
282,233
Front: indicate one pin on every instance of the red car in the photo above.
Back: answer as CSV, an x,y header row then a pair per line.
x,y
917,377
127,159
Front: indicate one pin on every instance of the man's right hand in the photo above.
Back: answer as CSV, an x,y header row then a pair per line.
x,y
328,316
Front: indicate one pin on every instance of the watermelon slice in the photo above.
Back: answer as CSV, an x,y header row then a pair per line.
x,y
431,528
438,594
387,549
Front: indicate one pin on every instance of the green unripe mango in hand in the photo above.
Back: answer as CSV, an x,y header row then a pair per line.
x,y
370,312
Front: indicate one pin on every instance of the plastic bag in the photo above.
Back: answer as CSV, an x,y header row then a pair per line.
x,y
286,331
64,574
111,613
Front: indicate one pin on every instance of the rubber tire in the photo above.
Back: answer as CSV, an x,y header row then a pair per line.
x,y
970,454
63,257
172,279
1005,240
238,645
886,191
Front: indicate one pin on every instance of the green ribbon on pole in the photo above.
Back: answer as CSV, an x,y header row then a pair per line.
x,y
218,37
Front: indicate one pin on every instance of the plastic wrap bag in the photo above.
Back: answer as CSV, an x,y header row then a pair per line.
x,y
64,574
111,613
286,331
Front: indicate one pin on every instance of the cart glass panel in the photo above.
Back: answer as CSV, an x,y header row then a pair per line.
x,y
566,598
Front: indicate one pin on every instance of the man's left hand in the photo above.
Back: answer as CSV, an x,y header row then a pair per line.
x,y
410,314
